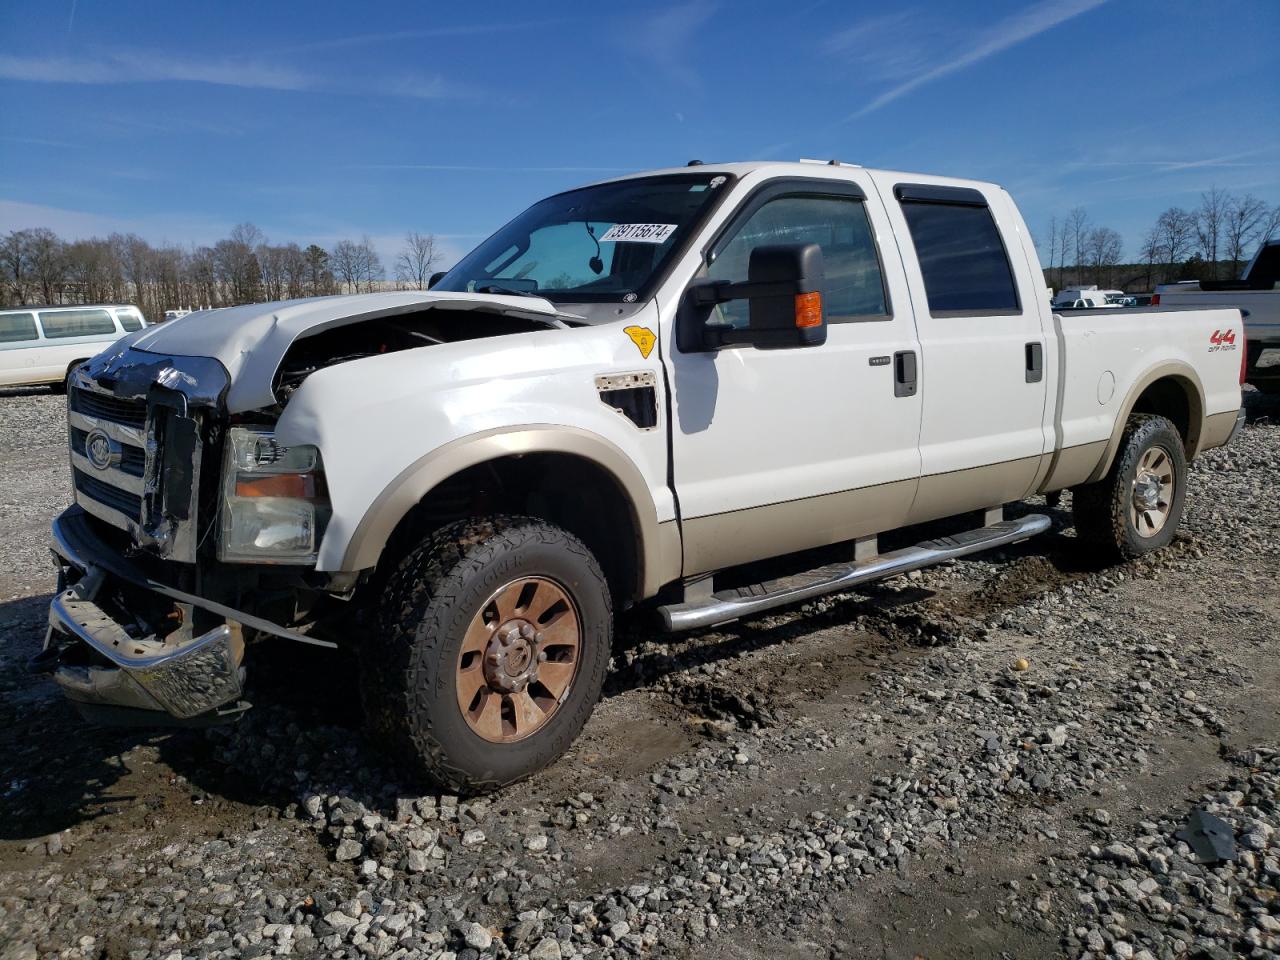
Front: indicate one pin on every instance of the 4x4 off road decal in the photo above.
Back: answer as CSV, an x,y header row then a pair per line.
x,y
643,338
1222,340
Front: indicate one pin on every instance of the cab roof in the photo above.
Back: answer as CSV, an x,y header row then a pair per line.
x,y
800,168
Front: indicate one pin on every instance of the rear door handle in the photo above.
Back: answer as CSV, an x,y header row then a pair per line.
x,y
904,373
1035,362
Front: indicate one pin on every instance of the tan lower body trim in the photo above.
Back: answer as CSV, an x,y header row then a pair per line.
x,y
723,540
1073,465
1217,430
728,539
946,494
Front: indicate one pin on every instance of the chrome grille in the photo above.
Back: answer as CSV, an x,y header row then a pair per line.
x,y
111,492
122,501
132,460
101,406
129,413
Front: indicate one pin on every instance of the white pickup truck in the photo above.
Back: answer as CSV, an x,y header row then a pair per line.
x,y
633,393
1257,295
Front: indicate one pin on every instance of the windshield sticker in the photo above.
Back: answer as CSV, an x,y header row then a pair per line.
x,y
643,338
638,233
716,181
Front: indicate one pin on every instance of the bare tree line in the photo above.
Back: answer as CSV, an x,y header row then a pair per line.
x,y
1211,242
39,267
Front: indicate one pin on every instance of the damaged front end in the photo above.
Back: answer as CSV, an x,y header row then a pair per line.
x,y
139,424
134,635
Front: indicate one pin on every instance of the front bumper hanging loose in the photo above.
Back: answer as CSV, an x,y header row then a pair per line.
x,y
152,680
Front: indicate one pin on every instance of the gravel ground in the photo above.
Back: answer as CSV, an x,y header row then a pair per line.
x,y
990,758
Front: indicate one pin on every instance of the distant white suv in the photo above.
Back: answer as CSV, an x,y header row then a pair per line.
x,y
44,344
633,393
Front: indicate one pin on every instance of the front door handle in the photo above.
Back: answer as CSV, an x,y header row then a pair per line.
x,y
1035,362
904,373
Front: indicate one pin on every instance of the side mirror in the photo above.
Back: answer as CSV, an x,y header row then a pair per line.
x,y
783,291
436,278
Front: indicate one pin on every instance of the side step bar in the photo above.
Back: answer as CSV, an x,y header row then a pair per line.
x,y
729,605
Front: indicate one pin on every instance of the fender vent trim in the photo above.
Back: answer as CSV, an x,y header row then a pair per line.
x,y
634,395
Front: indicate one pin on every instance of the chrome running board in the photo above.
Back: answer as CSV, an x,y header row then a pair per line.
x,y
734,604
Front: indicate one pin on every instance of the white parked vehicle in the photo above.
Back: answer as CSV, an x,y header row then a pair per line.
x,y
1257,294
1087,298
41,345
632,393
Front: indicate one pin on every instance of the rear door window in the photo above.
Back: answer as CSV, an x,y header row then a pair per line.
x,y
962,257
130,320
17,327
77,323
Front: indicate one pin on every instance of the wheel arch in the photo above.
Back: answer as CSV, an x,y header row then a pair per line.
x,y
1172,390
638,557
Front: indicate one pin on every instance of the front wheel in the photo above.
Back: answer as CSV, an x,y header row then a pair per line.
x,y
1137,506
492,644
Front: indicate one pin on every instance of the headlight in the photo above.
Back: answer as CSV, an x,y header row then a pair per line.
x,y
273,500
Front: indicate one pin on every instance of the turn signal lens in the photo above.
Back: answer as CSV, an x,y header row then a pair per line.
x,y
301,486
1244,357
809,309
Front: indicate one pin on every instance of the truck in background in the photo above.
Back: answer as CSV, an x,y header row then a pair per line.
x,y
1257,296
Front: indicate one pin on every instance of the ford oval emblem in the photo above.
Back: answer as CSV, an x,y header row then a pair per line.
x,y
100,450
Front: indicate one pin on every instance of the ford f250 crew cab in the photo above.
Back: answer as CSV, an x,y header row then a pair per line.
x,y
712,390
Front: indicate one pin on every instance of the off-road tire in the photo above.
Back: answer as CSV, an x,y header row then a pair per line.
x,y
1102,510
408,673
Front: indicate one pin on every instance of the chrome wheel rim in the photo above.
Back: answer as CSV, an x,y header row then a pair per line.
x,y
519,659
1151,499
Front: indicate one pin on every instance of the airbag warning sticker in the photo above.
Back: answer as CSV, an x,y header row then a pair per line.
x,y
638,233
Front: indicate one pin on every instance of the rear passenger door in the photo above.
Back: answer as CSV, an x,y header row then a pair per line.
x,y
982,381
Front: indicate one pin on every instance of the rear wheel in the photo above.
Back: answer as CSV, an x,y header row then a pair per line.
x,y
492,643
1137,506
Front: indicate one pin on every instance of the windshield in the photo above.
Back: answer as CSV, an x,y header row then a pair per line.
x,y
603,243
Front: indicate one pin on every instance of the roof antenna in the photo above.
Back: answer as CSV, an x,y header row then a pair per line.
x,y
694,163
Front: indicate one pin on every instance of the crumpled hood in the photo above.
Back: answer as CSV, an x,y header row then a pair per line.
x,y
251,340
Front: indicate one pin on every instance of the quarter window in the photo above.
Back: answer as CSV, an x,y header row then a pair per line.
x,y
854,286
16,327
963,260
77,323
129,320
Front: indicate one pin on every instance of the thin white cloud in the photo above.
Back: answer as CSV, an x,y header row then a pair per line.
x,y
1009,32
665,39
468,168
397,36
152,67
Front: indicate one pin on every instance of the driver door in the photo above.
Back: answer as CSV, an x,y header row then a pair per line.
x,y
779,450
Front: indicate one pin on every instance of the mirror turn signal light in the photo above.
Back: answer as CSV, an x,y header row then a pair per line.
x,y
809,309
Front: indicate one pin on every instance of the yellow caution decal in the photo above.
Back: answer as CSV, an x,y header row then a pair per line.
x,y
643,338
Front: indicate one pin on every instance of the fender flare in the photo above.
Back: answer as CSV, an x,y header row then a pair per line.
x,y
659,546
1186,377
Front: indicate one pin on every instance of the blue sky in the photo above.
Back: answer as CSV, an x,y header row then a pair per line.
x,y
323,120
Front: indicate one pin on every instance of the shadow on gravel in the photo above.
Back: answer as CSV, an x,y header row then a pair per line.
x,y
1261,407
28,391
307,725
55,771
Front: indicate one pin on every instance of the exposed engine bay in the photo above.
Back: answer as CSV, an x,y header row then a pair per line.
x,y
392,333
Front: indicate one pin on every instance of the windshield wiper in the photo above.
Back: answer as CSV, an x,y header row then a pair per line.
x,y
499,288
